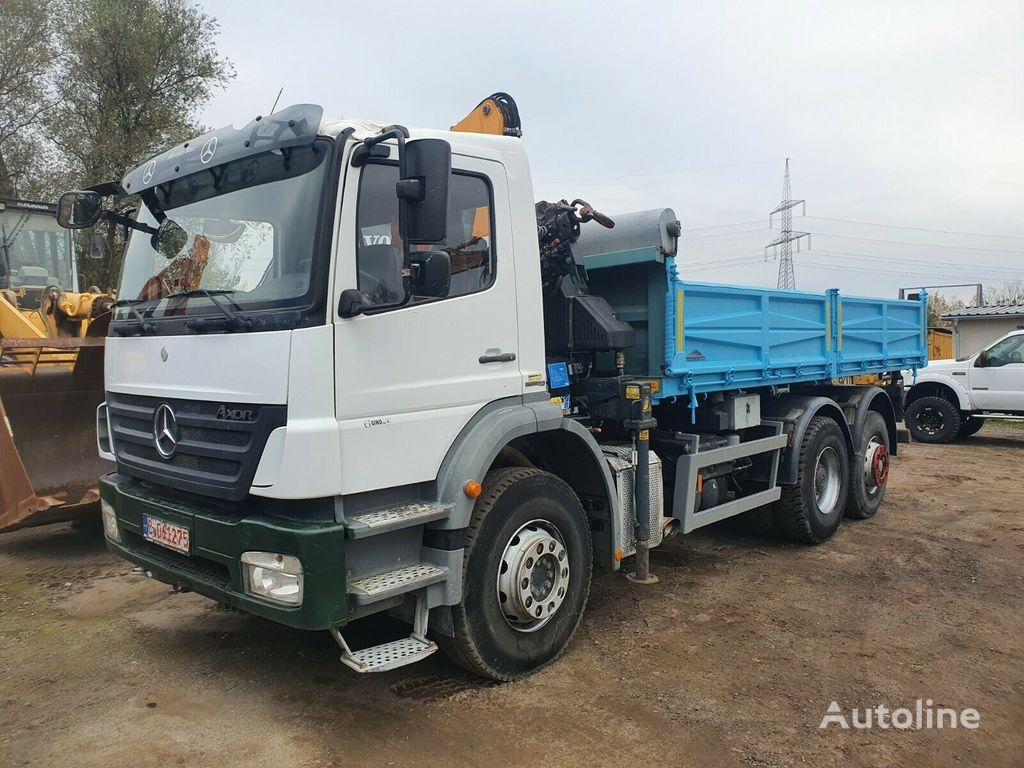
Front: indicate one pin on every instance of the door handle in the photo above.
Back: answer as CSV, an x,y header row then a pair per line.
x,y
504,357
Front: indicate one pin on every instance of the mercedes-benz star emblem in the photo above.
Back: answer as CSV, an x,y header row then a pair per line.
x,y
163,354
165,431
209,148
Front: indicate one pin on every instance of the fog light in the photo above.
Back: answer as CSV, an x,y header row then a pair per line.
x,y
110,528
273,576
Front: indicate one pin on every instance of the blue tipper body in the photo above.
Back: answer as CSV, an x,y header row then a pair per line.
x,y
704,337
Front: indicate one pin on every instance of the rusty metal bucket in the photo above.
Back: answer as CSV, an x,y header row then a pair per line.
x,y
49,465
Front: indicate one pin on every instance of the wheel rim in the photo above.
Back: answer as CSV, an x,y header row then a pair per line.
x,y
533,576
876,466
931,420
827,480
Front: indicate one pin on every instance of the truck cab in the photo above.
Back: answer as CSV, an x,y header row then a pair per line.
x,y
357,368
952,398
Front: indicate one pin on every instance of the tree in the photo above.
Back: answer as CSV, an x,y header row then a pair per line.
x,y
1010,292
132,75
26,57
939,306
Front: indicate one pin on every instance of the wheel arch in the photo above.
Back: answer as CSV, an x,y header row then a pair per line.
x,y
514,433
796,411
945,388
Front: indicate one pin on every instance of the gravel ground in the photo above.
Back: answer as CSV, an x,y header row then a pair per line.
x,y
731,659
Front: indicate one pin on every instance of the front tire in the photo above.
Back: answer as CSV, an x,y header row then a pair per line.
x,y
933,419
869,471
526,575
971,425
810,511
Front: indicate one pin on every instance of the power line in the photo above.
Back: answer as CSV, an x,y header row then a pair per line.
x,y
918,229
922,245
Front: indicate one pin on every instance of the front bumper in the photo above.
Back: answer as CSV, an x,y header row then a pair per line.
x,y
218,540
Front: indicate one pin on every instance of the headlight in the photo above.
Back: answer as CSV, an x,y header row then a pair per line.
x,y
110,528
273,576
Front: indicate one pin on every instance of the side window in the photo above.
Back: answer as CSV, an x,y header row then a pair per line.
x,y
1007,352
379,249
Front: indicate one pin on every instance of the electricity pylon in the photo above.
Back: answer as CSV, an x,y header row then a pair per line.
x,y
786,238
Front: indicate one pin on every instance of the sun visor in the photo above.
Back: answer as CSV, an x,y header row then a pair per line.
x,y
291,126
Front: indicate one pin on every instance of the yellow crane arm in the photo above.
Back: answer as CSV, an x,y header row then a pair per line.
x,y
497,115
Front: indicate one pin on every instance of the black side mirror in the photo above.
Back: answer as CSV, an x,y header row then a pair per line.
x,y
351,303
79,210
423,190
982,361
431,273
169,239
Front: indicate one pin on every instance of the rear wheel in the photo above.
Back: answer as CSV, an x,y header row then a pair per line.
x,y
526,575
933,419
810,511
971,425
869,471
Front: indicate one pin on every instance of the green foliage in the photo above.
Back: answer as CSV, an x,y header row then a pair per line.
x,y
93,88
26,57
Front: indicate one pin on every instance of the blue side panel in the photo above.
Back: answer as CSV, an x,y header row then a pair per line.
x,y
722,337
879,334
735,336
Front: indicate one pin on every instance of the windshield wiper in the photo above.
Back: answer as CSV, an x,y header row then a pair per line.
x,y
145,326
232,320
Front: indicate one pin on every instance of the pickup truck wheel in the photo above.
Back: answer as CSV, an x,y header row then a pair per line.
x,y
526,575
869,471
971,425
811,510
933,419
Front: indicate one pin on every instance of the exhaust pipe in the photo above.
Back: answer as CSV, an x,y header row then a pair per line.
x,y
669,527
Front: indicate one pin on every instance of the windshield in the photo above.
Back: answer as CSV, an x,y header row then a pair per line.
x,y
34,251
246,227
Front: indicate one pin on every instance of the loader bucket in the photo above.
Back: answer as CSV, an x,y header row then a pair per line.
x,y
49,465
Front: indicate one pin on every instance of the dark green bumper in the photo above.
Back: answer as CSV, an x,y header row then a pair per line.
x,y
217,542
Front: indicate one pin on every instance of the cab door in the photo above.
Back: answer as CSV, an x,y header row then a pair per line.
x,y
408,379
998,386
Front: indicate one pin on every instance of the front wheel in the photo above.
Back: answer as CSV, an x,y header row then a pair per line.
x,y
971,425
526,575
933,419
810,511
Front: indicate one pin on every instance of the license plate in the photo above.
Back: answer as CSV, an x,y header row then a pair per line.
x,y
168,535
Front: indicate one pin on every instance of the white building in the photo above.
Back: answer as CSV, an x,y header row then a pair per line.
x,y
976,327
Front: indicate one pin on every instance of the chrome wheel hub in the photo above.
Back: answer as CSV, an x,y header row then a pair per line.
x,y
533,576
827,480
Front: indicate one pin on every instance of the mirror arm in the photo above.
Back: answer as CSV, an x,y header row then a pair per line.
x,y
118,218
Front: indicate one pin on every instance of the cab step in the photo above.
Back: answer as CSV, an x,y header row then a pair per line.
x,y
406,578
395,518
393,654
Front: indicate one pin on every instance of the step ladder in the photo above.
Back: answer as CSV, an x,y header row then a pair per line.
x,y
395,518
394,654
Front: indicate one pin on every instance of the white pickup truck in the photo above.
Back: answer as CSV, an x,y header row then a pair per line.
x,y
951,398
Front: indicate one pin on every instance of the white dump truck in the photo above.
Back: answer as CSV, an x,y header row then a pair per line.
x,y
356,368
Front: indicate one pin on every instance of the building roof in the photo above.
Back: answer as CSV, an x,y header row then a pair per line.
x,y
995,311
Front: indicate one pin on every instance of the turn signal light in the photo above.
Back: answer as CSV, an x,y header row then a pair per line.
x,y
473,489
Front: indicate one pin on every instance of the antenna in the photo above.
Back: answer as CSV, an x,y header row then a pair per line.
x,y
786,238
279,98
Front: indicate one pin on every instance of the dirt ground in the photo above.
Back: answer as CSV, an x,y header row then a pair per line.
x,y
732,659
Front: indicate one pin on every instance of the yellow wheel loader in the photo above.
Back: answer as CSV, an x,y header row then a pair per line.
x,y
51,371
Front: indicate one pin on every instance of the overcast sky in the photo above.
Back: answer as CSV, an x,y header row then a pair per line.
x,y
900,115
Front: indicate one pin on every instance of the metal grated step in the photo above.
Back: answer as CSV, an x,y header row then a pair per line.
x,y
397,653
395,518
407,578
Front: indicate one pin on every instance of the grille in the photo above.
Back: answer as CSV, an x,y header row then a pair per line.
x,y
189,567
212,456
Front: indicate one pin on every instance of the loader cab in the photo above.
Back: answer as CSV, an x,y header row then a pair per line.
x,y
35,252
